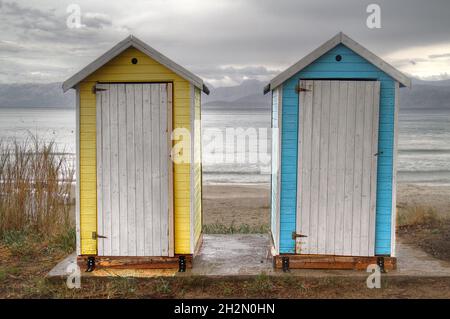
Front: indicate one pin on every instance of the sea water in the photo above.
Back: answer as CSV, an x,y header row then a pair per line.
x,y
423,157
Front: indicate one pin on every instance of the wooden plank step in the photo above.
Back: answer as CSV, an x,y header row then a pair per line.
x,y
333,262
135,262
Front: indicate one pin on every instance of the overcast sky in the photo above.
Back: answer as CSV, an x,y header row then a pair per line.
x,y
223,41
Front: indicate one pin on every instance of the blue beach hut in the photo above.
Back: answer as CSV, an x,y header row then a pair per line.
x,y
334,115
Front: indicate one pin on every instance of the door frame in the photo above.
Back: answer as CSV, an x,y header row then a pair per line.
x,y
170,195
299,136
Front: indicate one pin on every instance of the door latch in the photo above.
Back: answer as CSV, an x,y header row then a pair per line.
x,y
378,153
95,235
295,235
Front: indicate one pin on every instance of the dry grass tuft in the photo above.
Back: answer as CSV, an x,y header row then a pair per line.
x,y
418,216
235,229
35,190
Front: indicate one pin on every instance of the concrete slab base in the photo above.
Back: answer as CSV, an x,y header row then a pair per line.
x,y
225,255
413,261
249,255
62,270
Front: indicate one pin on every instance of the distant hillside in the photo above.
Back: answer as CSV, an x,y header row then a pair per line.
x,y
424,94
248,94
254,101
432,83
436,96
232,93
35,95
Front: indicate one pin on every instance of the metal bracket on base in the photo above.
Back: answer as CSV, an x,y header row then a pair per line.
x,y
285,264
90,264
181,264
380,263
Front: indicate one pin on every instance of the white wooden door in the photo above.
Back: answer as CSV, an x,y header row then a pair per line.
x,y
337,167
133,187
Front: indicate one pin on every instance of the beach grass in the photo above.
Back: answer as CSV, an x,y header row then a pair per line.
x,y
417,216
35,194
218,228
423,227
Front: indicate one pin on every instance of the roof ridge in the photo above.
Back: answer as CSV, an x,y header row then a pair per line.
x,y
132,40
339,38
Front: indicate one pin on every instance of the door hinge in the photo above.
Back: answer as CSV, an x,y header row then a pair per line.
x,y
95,89
295,235
379,153
299,89
95,235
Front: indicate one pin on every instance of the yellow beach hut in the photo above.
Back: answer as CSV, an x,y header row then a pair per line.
x,y
138,159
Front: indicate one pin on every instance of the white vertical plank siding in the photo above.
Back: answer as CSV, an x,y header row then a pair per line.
x,y
133,187
364,248
123,181
139,168
337,167
134,94
332,170
315,165
115,204
349,165
340,168
147,148
155,169
323,167
357,167
163,162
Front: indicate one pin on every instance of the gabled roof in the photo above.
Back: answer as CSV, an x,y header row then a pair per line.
x,y
132,41
340,38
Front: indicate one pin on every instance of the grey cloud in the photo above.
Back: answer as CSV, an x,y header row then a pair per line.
x,y
249,38
10,47
96,20
30,24
437,56
230,75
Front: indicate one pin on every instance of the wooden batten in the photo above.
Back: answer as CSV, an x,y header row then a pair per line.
x,y
198,245
333,262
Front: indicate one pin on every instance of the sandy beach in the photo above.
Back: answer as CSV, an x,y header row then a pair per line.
x,y
434,197
250,204
236,204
